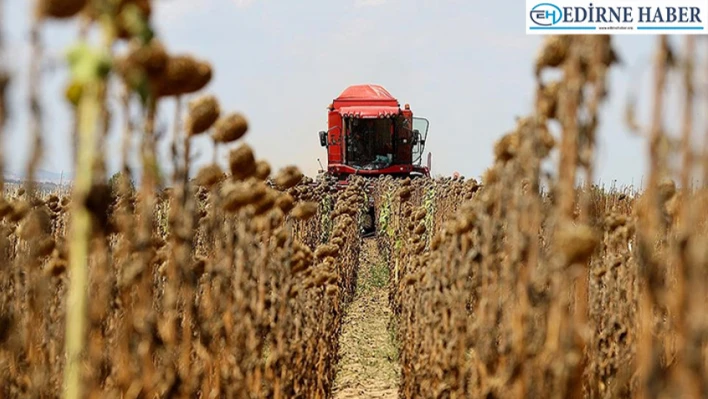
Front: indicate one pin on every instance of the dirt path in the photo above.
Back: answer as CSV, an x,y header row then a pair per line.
x,y
368,367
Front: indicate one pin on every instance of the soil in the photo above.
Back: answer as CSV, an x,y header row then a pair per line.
x,y
368,365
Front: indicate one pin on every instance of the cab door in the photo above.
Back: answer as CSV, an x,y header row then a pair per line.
x,y
403,141
420,134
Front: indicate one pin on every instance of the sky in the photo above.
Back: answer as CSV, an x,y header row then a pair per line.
x,y
467,69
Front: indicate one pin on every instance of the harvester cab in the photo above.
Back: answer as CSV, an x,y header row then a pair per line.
x,y
370,135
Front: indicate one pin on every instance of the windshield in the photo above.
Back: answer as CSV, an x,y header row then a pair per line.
x,y
369,143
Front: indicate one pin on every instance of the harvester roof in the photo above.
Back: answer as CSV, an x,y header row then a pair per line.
x,y
366,93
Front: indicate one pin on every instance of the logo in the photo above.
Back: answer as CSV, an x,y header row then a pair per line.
x,y
612,17
546,14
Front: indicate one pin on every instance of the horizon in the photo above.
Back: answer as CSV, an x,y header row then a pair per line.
x,y
611,186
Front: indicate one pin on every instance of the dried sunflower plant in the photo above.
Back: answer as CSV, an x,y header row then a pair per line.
x,y
526,286
224,284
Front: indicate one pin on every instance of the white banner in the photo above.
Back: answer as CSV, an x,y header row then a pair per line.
x,y
613,17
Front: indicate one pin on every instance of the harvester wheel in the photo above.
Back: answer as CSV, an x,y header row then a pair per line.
x,y
367,223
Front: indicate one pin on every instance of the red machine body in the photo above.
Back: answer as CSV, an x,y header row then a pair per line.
x,y
369,134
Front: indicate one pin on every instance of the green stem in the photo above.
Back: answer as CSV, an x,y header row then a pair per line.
x,y
89,111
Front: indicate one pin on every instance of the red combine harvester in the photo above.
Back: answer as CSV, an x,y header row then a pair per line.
x,y
370,135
